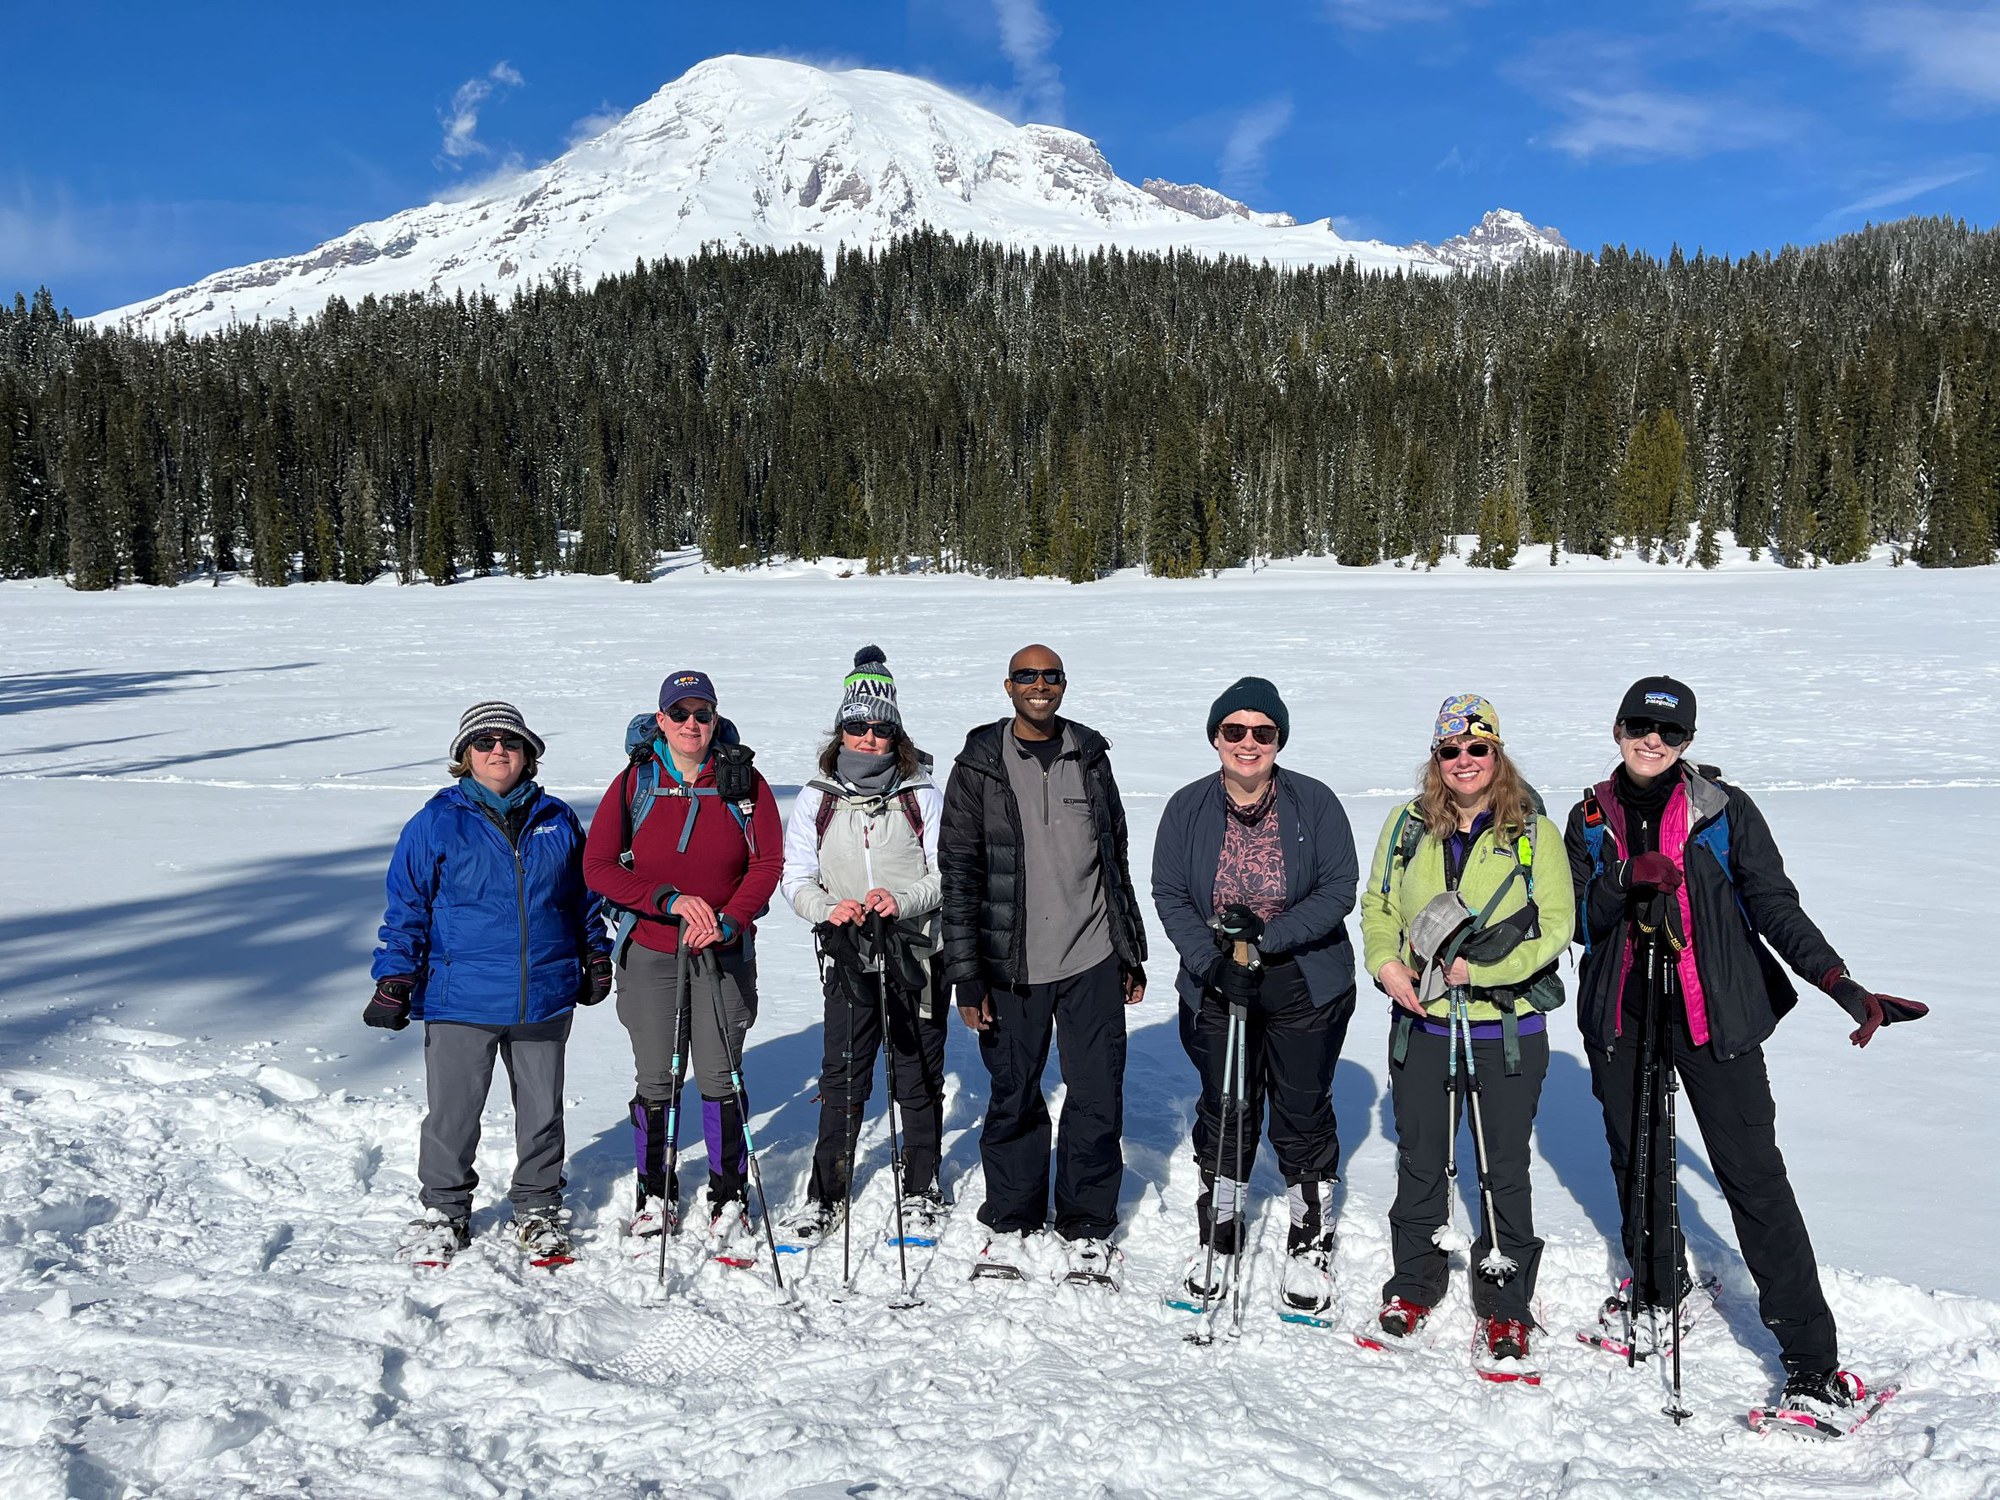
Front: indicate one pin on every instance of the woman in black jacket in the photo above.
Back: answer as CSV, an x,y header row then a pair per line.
x,y
1264,857
1679,887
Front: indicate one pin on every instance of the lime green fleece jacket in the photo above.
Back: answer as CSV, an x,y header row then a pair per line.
x,y
1385,918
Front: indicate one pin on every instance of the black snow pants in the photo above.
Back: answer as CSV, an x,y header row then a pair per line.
x,y
1731,1102
1085,1016
851,1036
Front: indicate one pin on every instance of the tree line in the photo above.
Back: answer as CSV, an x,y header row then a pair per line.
x,y
968,407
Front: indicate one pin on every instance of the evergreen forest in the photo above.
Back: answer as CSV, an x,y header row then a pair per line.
x,y
969,407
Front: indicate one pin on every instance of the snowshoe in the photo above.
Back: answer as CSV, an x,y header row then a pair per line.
x,y
1305,1285
1821,1404
655,1216
924,1218
1092,1262
1399,1327
1001,1257
544,1239
1652,1327
1205,1282
1500,1352
808,1225
434,1239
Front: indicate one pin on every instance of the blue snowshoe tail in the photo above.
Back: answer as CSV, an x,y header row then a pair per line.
x,y
912,1241
1305,1319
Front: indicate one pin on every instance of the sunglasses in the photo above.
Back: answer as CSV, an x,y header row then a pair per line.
x,y
1671,735
1478,750
1028,676
499,742
1263,734
699,715
873,727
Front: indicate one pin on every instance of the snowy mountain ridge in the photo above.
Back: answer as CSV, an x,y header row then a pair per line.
x,y
743,152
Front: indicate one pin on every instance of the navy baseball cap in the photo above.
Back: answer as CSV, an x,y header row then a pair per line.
x,y
679,685
1661,699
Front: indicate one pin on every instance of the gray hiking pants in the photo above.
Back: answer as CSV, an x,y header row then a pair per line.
x,y
458,1074
646,1004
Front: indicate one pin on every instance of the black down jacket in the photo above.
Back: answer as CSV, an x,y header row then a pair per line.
x,y
980,857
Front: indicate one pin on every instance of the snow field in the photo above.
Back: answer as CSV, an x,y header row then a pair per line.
x,y
206,1162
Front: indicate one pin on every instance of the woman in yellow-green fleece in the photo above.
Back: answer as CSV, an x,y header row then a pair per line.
x,y
1469,890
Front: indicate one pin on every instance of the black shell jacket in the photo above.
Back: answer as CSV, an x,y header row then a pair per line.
x,y
1745,991
981,859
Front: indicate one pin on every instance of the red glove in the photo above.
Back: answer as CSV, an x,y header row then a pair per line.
x,y
1873,1011
1652,872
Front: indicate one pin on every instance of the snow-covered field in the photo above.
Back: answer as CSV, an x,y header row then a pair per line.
x,y
206,1160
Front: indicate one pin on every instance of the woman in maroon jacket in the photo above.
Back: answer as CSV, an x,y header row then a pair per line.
x,y
699,872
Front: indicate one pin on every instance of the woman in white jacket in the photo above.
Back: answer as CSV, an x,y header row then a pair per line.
x,y
861,862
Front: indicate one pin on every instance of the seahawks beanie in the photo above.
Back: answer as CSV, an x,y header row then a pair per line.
x,y
869,692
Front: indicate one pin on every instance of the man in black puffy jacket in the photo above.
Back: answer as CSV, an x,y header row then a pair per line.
x,y
1043,940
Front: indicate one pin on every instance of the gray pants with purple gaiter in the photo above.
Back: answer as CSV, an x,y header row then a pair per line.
x,y
649,996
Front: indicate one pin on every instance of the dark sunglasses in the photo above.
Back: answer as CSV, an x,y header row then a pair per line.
x,y
699,715
499,742
1028,676
875,727
1671,735
1478,750
1263,734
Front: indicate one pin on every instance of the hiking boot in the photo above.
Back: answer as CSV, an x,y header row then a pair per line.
x,y
1506,1338
1401,1317
435,1238
924,1214
1824,1394
543,1237
810,1223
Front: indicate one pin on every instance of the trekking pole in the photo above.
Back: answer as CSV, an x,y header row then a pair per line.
x,y
1641,1194
878,941
1495,1265
671,1223
1229,1105
713,965
847,1133
1239,1018
1676,1242
1447,1236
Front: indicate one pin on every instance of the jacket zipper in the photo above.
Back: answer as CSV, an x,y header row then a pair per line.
x,y
1045,796
521,911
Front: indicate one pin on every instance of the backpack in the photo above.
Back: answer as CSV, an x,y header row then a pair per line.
x,y
1543,992
735,788
906,799
1714,838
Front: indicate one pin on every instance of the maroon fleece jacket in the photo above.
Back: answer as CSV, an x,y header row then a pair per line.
x,y
717,865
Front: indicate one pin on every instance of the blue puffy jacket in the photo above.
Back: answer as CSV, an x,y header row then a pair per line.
x,y
494,933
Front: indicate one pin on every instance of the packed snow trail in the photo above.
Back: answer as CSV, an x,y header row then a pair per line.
x,y
206,1162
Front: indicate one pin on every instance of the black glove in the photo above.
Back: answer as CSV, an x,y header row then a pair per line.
x,y
1236,923
1871,1011
596,980
1238,984
389,1007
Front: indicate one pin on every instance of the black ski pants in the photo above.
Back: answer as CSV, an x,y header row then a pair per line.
x,y
1424,1108
1085,1016
851,1036
1731,1102
1291,1046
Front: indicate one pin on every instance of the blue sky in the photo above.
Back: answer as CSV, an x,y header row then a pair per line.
x,y
142,146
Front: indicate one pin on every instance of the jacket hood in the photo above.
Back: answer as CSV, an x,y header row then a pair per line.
x,y
982,745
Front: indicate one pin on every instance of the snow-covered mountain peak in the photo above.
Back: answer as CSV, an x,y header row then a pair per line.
x,y
758,151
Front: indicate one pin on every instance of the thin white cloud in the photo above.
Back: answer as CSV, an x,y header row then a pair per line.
x,y
1906,191
1381,15
44,242
1026,36
461,121
1607,105
1948,52
593,125
1249,146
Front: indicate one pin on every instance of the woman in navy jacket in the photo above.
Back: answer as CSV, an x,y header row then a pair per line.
x,y
1264,856
490,940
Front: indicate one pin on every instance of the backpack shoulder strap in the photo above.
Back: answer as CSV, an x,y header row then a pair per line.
x,y
823,818
1403,841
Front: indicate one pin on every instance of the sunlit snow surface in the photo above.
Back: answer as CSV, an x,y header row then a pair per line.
x,y
206,1161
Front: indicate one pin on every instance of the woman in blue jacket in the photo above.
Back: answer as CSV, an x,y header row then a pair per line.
x,y
490,940
1264,857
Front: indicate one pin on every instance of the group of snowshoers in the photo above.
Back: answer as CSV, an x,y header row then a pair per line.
x,y
1007,894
